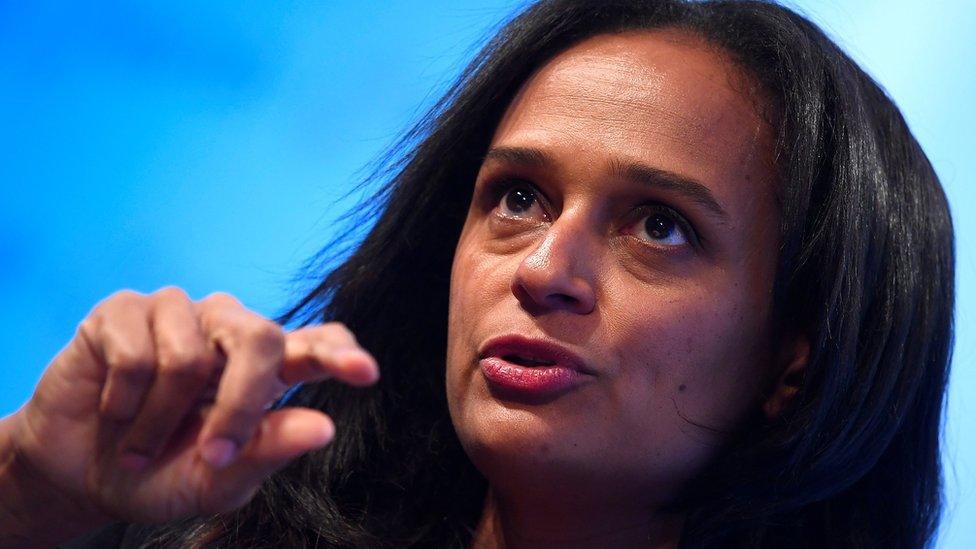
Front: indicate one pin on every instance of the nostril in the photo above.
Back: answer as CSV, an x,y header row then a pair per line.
x,y
565,299
555,290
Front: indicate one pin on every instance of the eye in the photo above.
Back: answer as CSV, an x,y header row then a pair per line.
x,y
662,226
518,199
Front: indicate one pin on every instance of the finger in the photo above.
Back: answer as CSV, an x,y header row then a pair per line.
x,y
282,436
184,365
120,333
328,351
254,347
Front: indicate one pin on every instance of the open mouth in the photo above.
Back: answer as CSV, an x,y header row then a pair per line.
x,y
527,361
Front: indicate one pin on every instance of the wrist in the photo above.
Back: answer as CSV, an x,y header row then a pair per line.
x,y
32,512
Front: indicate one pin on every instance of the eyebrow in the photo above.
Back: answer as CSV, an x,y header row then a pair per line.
x,y
633,171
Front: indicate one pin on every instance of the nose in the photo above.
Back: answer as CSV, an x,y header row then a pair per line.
x,y
557,274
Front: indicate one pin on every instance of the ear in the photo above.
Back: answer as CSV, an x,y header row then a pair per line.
x,y
792,363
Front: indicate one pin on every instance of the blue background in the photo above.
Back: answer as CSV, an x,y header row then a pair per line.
x,y
207,145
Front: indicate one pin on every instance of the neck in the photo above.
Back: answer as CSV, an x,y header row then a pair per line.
x,y
508,523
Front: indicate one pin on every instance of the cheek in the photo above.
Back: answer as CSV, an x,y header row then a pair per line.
x,y
476,281
481,278
455,319
478,285
690,355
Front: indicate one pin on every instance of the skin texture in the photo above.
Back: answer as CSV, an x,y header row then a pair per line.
x,y
677,328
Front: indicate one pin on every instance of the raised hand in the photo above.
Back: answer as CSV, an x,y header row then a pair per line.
x,y
158,409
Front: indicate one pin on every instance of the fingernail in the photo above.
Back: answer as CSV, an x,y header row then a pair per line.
x,y
133,461
218,452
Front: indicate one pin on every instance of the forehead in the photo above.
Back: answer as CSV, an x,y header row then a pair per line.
x,y
665,97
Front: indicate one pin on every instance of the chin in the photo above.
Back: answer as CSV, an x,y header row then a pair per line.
x,y
510,440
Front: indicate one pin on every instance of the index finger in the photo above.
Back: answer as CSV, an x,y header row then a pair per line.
x,y
327,351
251,379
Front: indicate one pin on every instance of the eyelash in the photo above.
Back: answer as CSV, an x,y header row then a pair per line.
x,y
497,189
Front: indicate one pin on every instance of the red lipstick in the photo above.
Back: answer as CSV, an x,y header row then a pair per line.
x,y
528,370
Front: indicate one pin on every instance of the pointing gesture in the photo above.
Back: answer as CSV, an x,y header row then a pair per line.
x,y
158,410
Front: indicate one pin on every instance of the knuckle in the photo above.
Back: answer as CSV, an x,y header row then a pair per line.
x,y
126,293
265,336
171,293
125,298
122,299
90,328
220,299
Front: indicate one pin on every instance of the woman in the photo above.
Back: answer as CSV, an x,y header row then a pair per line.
x,y
693,277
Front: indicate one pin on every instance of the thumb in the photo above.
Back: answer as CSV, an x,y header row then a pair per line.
x,y
282,436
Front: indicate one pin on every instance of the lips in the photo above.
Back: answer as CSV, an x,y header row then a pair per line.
x,y
531,353
531,371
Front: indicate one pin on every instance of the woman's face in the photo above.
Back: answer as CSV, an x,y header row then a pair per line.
x,y
624,213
